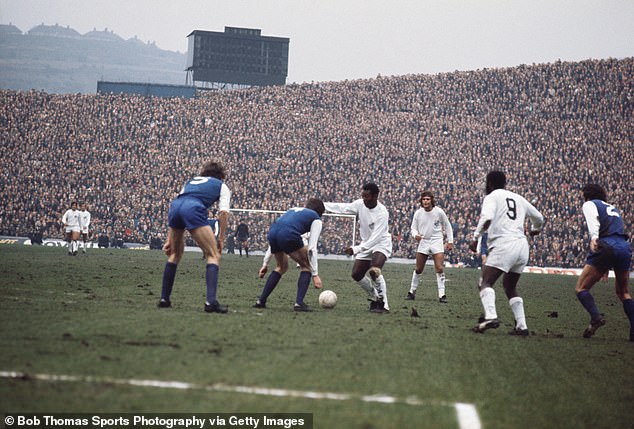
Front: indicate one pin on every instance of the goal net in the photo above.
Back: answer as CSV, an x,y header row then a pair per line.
x,y
339,231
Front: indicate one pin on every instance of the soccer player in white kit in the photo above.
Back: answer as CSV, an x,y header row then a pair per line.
x,y
84,223
70,219
503,214
429,227
376,244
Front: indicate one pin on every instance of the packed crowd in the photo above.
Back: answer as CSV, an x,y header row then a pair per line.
x,y
551,128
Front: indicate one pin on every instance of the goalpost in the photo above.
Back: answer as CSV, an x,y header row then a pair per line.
x,y
339,231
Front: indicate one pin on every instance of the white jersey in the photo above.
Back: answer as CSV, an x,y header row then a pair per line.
x,y
373,224
431,225
506,211
70,219
84,220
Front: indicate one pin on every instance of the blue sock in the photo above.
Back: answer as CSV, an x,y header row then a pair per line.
x,y
628,307
168,280
587,300
211,278
271,282
302,286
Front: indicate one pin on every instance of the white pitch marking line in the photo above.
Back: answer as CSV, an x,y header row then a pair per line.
x,y
467,414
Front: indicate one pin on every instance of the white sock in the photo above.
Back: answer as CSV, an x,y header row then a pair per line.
x,y
73,246
366,285
415,281
517,306
382,289
487,296
440,280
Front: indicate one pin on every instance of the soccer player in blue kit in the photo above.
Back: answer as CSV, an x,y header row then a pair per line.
x,y
609,249
189,212
285,239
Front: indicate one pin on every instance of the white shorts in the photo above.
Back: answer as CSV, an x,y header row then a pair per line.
x,y
70,229
384,247
431,247
84,231
508,256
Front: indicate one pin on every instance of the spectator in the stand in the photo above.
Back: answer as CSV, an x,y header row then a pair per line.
x,y
231,244
103,242
570,120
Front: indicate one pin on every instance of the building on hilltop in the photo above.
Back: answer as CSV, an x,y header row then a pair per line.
x,y
9,29
54,31
105,35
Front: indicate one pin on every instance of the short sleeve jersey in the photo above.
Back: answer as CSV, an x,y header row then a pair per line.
x,y
507,210
298,219
205,189
610,221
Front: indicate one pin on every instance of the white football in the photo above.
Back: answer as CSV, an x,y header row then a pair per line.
x,y
328,299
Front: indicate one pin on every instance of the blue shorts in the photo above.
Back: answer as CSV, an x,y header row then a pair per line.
x,y
612,255
282,239
187,213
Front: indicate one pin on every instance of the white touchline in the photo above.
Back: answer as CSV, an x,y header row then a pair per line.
x,y
467,414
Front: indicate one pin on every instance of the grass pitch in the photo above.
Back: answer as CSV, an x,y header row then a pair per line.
x,y
94,317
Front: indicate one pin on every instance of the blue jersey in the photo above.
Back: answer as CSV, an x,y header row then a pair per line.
x,y
484,247
189,209
213,223
285,234
297,220
205,189
614,250
610,221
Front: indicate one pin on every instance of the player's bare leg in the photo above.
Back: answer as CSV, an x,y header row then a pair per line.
x,y
68,240
359,268
487,297
206,240
375,272
516,302
421,260
281,266
301,257
623,292
589,276
84,239
74,242
174,248
439,261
